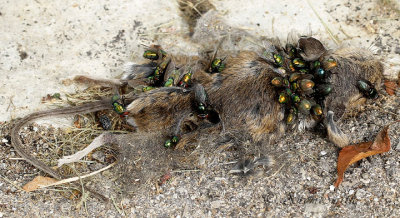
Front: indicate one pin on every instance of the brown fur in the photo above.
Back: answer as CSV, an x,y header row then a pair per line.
x,y
244,98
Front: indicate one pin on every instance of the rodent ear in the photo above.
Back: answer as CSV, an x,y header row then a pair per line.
x,y
311,48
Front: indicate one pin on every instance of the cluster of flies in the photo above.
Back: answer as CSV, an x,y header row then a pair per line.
x,y
303,85
175,77
304,88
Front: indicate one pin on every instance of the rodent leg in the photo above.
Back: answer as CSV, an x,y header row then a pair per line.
x,y
335,135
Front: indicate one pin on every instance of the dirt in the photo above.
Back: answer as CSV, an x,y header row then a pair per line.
x,y
299,184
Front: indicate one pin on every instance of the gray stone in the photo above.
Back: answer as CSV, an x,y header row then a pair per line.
x,y
96,166
99,156
397,50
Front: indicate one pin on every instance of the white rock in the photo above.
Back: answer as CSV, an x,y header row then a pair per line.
x,y
181,190
314,208
366,181
323,153
4,140
351,192
217,204
360,194
332,188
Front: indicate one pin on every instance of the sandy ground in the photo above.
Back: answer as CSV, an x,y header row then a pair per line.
x,y
44,42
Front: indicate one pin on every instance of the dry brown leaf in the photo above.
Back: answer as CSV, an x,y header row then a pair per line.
x,y
75,195
164,178
353,153
390,87
78,121
37,182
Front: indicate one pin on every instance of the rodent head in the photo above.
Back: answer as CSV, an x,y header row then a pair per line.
x,y
353,65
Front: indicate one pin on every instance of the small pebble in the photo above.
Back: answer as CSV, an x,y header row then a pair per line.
x,y
35,129
314,208
217,204
397,50
332,188
366,181
323,153
360,194
351,192
4,140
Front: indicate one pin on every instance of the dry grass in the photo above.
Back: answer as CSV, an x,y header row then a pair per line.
x,y
49,144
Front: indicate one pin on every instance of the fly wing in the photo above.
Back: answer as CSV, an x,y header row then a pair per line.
x,y
200,94
135,71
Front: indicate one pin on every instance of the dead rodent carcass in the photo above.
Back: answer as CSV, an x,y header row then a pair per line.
x,y
258,92
256,95
260,96
234,92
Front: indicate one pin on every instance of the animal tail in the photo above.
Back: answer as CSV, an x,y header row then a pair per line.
x,y
16,140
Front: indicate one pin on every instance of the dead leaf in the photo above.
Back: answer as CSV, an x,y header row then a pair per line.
x,y
78,121
75,195
164,178
353,153
390,87
37,182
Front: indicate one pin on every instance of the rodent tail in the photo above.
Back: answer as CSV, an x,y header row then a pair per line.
x,y
17,143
